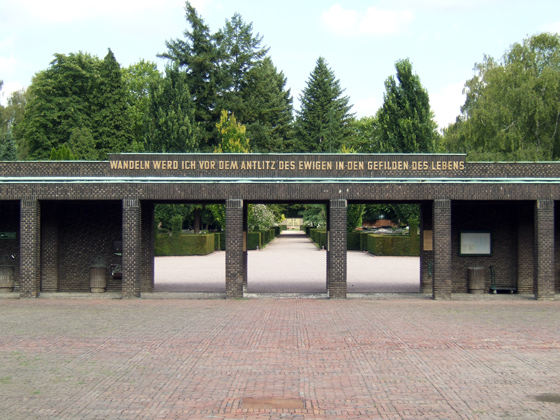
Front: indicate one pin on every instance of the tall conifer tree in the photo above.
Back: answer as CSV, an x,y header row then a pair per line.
x,y
170,124
267,108
112,126
197,54
405,120
322,124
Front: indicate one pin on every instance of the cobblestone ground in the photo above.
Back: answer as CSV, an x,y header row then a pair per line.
x,y
279,359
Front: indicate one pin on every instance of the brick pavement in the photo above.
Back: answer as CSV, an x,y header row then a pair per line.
x,y
246,359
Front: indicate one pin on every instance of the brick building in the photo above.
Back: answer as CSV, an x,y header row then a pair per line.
x,y
55,217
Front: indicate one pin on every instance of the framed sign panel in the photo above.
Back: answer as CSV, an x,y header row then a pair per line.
x,y
475,243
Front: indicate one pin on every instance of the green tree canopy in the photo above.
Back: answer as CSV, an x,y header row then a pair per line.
x,y
198,56
137,78
111,124
323,122
169,123
512,107
405,120
229,70
267,109
78,98
59,101
233,135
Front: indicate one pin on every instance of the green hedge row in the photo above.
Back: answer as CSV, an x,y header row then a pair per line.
x,y
397,246
166,245
319,237
262,238
382,245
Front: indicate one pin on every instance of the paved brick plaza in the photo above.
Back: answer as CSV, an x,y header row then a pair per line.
x,y
236,359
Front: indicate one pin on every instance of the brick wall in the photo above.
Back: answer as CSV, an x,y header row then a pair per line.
x,y
85,229
501,220
9,222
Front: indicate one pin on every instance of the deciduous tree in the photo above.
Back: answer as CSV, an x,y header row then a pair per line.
x,y
512,107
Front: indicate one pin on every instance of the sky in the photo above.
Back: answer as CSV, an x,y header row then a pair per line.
x,y
360,40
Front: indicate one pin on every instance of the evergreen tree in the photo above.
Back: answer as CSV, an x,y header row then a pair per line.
x,y
198,56
323,123
111,124
8,150
240,51
267,108
169,124
405,119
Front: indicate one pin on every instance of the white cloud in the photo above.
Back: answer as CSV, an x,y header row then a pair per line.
x,y
447,103
365,107
374,21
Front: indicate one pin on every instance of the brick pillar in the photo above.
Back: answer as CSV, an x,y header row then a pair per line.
x,y
148,239
442,249
234,249
49,248
245,254
426,249
525,238
544,250
30,248
336,260
131,256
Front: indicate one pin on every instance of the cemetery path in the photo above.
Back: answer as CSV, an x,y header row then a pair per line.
x,y
289,264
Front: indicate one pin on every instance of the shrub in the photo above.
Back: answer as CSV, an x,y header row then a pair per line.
x,y
181,245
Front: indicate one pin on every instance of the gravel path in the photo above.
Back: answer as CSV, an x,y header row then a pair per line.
x,y
289,264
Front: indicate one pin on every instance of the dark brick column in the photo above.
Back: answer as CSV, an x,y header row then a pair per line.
x,y
336,260
442,249
49,248
234,249
426,255
131,258
30,248
148,239
525,248
245,254
544,250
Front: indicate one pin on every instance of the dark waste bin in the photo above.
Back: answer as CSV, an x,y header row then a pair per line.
x,y
476,280
98,275
7,273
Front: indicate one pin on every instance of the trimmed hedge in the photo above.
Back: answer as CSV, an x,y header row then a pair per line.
x,y
382,245
397,246
357,241
184,245
261,239
319,237
219,241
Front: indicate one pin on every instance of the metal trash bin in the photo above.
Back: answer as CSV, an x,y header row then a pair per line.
x,y
98,275
476,280
7,273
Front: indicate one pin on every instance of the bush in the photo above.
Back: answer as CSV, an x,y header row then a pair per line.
x,y
396,246
184,245
319,237
357,241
